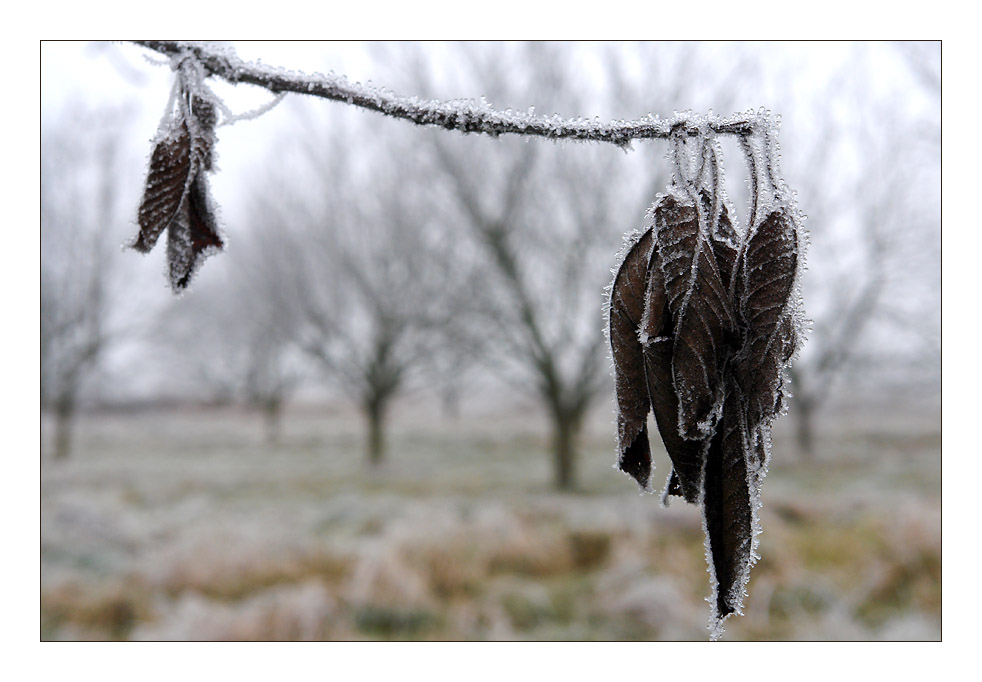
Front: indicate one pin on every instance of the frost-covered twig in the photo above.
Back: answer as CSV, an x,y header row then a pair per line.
x,y
463,115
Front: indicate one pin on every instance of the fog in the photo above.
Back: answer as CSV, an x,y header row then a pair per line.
x,y
400,285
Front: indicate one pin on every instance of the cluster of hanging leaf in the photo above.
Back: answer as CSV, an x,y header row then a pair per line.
x,y
703,321
176,197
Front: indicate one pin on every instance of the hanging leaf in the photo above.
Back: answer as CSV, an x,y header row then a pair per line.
x,y
673,488
626,309
702,319
176,197
204,113
166,186
764,286
656,336
687,455
789,336
192,236
726,241
728,509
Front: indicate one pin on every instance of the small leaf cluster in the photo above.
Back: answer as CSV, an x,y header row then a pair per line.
x,y
703,322
176,196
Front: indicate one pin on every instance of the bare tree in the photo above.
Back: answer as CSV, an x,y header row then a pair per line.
x,y
542,221
370,276
870,183
80,235
275,370
232,338
545,219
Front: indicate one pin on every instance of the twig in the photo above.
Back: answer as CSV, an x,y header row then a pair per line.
x,y
465,116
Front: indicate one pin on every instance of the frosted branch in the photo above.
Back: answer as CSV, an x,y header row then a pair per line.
x,y
464,115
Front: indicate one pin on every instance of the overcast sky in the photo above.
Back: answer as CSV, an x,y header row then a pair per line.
x,y
93,75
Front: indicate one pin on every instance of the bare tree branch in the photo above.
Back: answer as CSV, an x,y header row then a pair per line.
x,y
465,116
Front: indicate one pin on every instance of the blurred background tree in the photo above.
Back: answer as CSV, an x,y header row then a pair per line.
x,y
81,221
365,268
381,277
235,342
499,249
870,180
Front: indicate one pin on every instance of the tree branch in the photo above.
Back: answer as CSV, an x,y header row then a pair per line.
x,y
465,116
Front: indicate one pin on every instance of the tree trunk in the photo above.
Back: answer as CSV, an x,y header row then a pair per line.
x,y
565,432
375,445
451,402
64,421
272,419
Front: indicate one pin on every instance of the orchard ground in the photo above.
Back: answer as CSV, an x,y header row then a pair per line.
x,y
186,524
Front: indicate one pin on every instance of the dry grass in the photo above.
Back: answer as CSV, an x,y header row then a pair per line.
x,y
186,526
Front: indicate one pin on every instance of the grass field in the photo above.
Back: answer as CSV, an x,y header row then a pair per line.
x,y
186,525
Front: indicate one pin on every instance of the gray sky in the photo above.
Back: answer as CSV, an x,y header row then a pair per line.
x,y
118,74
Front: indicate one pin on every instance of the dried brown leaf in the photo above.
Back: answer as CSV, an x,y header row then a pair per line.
x,y
725,247
673,487
176,196
656,337
728,507
702,318
765,283
627,297
687,455
192,236
166,186
204,141
724,238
